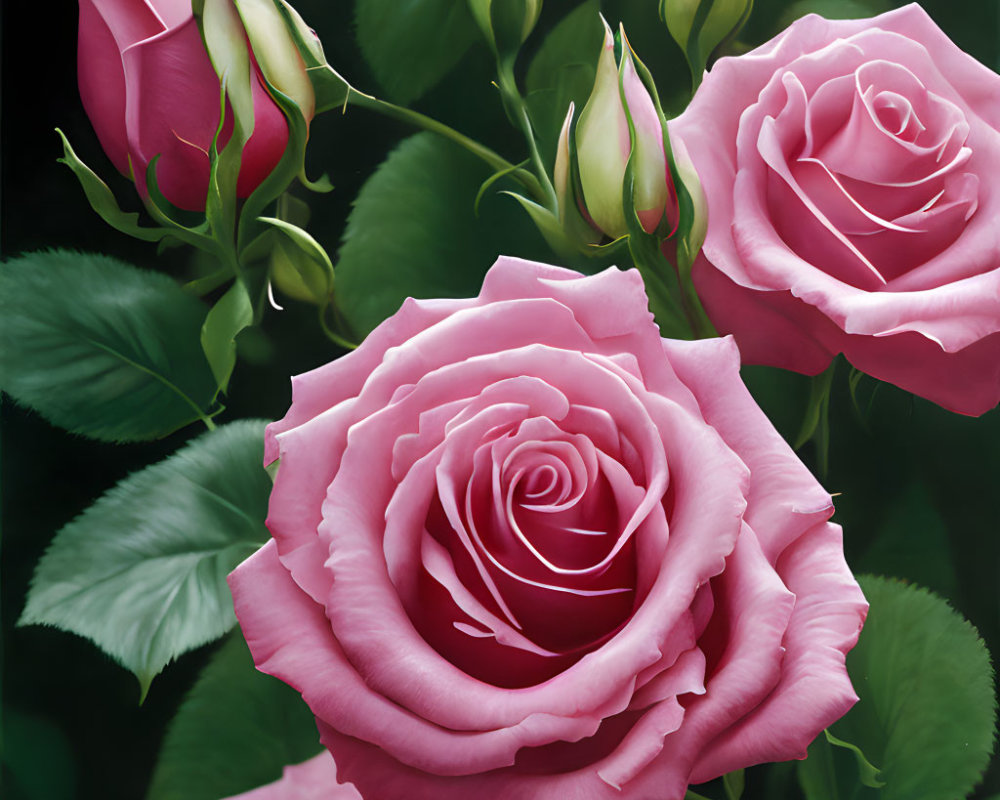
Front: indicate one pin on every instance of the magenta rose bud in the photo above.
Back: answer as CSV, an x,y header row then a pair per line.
x,y
850,169
149,88
524,547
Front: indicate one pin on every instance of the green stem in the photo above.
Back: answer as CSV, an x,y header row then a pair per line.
x,y
332,335
411,117
513,100
695,313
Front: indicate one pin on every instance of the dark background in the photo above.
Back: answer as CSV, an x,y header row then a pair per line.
x,y
71,721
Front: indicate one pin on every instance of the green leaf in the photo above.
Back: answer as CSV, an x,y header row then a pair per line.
x,y
398,244
927,706
734,783
231,314
235,731
563,72
103,201
101,348
142,572
411,46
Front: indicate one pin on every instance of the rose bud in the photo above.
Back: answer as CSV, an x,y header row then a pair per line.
x,y
720,25
524,547
149,88
603,145
506,24
850,172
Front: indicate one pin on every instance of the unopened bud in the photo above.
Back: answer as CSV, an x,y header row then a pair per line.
x,y
605,144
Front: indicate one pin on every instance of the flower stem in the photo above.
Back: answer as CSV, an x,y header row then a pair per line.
x,y
415,118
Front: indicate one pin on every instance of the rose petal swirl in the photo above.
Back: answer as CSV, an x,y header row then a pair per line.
x,y
849,168
523,546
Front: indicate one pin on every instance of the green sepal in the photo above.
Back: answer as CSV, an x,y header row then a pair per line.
x,y
574,223
867,773
832,773
223,173
322,185
142,572
331,89
102,199
190,227
287,170
548,225
492,179
231,314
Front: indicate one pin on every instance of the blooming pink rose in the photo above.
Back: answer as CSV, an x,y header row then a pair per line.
x,y
524,547
850,169
149,89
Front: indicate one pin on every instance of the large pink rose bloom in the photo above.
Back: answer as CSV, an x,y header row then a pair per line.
x,y
851,172
149,89
524,547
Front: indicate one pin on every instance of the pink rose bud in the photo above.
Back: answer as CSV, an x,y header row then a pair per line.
x,y
604,144
150,89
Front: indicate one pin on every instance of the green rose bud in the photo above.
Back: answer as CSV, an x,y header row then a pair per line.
x,y
604,144
701,26
505,23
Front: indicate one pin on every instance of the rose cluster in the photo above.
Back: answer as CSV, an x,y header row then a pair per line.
x,y
524,547
850,171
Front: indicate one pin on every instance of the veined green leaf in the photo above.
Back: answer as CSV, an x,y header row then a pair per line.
x,y
101,348
411,46
398,244
142,572
927,706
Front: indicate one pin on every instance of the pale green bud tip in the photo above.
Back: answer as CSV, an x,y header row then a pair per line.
x,y
276,52
602,144
651,191
560,172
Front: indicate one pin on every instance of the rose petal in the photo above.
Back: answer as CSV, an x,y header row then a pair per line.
x,y
814,690
315,779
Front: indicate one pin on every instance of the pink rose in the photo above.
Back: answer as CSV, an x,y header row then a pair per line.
x,y
524,547
149,89
850,169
